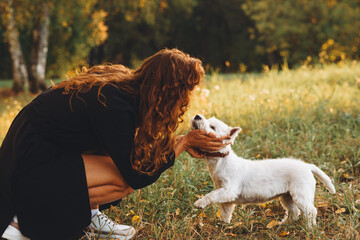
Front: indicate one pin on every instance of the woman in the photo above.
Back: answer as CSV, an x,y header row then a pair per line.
x,y
49,178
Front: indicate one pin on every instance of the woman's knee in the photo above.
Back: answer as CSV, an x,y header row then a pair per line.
x,y
102,171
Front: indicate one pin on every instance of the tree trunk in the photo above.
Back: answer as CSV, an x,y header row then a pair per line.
x,y
20,74
39,50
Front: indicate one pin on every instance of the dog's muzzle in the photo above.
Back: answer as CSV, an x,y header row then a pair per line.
x,y
197,121
194,125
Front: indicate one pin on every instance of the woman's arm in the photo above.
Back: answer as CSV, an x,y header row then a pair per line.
x,y
196,139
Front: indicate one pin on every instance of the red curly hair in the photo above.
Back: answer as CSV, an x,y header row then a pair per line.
x,y
162,86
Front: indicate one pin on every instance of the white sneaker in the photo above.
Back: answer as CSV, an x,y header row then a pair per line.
x,y
103,227
12,233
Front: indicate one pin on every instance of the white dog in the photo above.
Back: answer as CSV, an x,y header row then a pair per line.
x,y
238,180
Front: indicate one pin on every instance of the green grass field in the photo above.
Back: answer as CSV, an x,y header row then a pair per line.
x,y
307,113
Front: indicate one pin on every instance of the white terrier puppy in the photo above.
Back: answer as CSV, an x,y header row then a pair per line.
x,y
238,180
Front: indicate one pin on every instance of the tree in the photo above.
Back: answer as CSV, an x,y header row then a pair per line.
x,y
215,31
221,29
20,74
133,29
39,49
65,44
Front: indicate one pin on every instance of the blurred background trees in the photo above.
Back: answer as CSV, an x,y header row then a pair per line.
x,y
232,35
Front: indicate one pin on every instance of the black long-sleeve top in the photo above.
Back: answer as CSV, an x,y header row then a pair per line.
x,y
87,124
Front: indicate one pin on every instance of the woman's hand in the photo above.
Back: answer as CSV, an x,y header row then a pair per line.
x,y
198,139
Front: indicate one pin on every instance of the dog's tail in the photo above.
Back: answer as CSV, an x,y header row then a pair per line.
x,y
322,177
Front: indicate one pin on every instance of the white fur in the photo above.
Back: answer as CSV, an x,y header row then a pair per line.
x,y
243,181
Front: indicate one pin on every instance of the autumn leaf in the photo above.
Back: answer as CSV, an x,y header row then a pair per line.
x,y
136,219
268,212
234,225
218,213
346,175
177,212
322,204
283,233
231,234
202,214
272,224
263,205
340,210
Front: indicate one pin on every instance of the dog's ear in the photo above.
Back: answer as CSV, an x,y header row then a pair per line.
x,y
234,132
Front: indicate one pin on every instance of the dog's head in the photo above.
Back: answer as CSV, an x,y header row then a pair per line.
x,y
214,125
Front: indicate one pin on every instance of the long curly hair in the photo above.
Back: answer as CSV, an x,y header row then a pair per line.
x,y
161,86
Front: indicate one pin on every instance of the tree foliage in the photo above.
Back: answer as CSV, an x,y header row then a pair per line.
x,y
77,26
231,35
296,29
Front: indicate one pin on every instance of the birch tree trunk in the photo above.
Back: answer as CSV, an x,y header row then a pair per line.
x,y
20,74
39,50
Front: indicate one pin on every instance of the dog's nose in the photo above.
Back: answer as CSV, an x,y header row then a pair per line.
x,y
197,117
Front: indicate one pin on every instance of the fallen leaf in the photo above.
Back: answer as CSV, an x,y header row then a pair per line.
x,y
218,213
135,219
231,234
177,212
234,225
322,204
268,212
272,224
340,210
263,205
283,233
202,214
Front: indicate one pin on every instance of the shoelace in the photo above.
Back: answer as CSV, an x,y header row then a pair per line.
x,y
107,219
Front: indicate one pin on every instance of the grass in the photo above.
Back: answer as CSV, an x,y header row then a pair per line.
x,y
5,83
307,113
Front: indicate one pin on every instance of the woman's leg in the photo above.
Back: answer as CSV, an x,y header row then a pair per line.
x,y
105,183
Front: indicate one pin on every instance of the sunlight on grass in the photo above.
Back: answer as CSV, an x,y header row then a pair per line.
x,y
307,113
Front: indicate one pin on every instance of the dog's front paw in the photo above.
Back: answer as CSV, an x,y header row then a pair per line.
x,y
200,203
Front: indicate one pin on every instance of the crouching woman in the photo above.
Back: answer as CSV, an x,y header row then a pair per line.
x,y
51,182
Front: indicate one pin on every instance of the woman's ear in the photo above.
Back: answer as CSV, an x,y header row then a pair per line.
x,y
234,132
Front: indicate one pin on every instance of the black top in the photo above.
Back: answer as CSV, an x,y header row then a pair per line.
x,y
42,175
90,125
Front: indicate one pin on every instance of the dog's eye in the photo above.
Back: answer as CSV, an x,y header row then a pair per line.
x,y
212,127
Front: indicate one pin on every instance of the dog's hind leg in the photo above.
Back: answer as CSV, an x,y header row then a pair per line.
x,y
292,212
226,210
305,202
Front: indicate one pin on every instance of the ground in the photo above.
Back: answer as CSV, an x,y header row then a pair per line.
x,y
311,113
